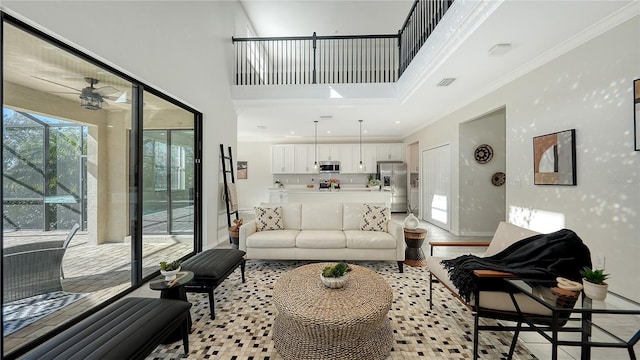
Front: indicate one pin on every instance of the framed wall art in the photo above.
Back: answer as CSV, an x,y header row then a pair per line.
x,y
554,158
242,170
636,114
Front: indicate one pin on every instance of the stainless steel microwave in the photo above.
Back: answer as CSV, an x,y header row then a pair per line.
x,y
329,166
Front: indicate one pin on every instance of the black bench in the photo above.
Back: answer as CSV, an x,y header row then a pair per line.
x,y
127,329
210,269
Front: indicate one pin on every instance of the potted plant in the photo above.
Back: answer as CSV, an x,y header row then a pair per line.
x,y
593,282
335,276
375,184
169,269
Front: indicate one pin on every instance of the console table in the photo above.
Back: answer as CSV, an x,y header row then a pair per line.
x,y
583,312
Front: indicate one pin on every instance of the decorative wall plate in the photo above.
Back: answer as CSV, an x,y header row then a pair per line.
x,y
498,178
483,153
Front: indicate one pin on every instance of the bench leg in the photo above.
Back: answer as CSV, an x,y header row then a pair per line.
x,y
185,336
242,268
212,310
430,291
401,266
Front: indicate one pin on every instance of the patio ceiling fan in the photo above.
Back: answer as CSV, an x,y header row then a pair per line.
x,y
92,98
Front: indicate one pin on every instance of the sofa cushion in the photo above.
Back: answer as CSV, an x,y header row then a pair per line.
x,y
357,239
321,216
352,215
494,300
273,239
321,239
290,214
375,218
269,218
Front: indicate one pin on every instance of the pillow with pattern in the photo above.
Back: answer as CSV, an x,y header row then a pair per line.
x,y
269,218
375,218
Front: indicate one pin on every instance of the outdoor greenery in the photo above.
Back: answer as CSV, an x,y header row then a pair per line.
x,y
41,168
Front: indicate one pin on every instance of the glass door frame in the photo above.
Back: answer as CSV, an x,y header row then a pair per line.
x,y
135,149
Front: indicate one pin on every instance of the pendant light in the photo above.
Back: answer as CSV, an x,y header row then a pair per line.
x,y
361,166
315,148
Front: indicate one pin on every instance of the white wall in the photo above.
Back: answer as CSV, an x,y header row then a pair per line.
x,y
255,189
481,204
182,48
589,89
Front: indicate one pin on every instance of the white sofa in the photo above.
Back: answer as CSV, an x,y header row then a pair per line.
x,y
323,231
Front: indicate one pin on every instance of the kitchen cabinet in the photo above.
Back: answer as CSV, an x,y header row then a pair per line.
x,y
299,158
328,152
414,158
304,159
349,161
390,152
278,196
283,159
369,159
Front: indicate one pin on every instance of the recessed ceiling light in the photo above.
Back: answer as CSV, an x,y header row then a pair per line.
x,y
328,131
397,121
365,131
500,49
446,82
292,132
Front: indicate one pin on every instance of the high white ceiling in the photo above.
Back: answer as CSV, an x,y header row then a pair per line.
x,y
537,30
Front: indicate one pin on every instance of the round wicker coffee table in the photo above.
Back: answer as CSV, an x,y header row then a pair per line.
x,y
314,322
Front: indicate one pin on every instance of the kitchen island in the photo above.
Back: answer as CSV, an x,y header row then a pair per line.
x,y
346,195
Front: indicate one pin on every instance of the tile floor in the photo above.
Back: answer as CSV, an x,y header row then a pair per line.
x,y
85,256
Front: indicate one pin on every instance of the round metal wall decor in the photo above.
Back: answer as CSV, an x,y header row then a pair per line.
x,y
498,178
483,153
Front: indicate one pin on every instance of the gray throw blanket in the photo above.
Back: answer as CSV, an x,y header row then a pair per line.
x,y
539,257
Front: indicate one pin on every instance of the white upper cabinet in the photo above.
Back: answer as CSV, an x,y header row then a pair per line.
x,y
369,159
328,152
283,159
348,158
390,152
299,158
305,158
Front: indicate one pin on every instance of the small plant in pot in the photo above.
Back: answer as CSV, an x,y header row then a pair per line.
x,y
169,269
593,282
335,276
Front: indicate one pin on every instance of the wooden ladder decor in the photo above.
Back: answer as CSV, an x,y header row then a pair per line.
x,y
226,171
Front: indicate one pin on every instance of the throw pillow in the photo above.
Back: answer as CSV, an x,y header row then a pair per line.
x,y
375,218
269,218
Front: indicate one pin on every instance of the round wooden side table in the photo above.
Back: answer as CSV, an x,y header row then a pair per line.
x,y
413,254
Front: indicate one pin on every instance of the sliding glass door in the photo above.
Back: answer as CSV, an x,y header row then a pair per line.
x,y
86,145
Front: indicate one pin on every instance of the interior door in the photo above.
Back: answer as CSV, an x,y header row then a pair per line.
x,y
436,182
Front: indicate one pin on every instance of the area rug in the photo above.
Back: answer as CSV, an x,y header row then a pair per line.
x,y
245,313
20,313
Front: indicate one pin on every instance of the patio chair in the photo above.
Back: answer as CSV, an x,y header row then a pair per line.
x,y
34,269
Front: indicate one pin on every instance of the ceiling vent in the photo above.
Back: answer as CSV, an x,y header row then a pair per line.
x,y
446,81
326,117
499,49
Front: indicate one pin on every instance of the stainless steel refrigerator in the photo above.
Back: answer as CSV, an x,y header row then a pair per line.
x,y
393,176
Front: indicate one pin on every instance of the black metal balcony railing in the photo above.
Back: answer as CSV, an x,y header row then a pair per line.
x,y
420,23
336,59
